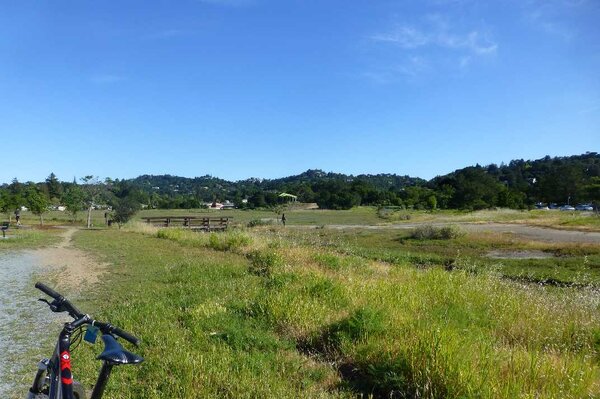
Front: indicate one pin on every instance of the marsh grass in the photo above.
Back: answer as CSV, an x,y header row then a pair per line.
x,y
568,264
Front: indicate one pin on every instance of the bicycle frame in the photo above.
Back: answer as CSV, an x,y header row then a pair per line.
x,y
59,370
56,373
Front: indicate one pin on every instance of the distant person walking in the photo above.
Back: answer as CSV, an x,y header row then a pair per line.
x,y
18,217
283,219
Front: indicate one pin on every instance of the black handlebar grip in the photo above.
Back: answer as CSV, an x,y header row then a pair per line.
x,y
47,290
126,336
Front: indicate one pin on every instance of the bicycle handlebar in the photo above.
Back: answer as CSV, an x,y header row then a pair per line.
x,y
47,290
126,336
62,304
110,329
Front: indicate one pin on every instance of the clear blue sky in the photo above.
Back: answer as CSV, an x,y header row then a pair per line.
x,y
269,88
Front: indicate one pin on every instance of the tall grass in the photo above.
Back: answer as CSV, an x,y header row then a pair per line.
x,y
243,317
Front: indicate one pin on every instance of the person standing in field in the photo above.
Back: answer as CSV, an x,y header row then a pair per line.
x,y
18,217
283,219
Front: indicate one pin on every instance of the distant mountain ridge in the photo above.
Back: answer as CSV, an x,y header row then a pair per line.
x,y
168,184
519,184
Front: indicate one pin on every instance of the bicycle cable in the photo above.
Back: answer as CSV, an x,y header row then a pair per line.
x,y
76,338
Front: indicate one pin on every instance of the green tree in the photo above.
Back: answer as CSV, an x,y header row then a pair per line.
x,y
432,202
92,189
124,209
13,199
73,199
37,202
257,200
54,187
7,204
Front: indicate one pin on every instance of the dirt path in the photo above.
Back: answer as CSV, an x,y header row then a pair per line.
x,y
519,230
537,233
19,310
77,269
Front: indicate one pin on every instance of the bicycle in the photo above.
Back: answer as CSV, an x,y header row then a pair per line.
x,y
54,378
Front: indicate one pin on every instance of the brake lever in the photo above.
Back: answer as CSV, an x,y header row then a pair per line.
x,y
54,306
45,301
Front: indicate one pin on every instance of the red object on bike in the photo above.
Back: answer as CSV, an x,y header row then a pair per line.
x,y
65,368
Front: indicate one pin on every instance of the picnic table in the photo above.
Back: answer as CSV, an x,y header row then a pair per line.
x,y
200,223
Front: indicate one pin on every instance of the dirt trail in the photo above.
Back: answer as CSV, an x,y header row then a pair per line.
x,y
19,309
76,267
519,230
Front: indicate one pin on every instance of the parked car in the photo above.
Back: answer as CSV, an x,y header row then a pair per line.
x,y
584,207
553,206
567,208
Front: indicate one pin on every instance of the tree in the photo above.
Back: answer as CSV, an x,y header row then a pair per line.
x,y
92,190
124,209
37,202
257,200
12,199
7,204
73,199
54,187
432,202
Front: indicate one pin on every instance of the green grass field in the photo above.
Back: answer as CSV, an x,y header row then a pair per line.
x,y
269,313
28,238
355,216
321,312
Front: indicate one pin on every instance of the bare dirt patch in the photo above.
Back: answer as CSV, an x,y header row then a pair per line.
x,y
76,268
519,255
517,230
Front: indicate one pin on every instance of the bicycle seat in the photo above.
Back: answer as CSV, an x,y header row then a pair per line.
x,y
115,354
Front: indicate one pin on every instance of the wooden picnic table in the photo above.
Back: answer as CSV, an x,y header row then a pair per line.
x,y
202,223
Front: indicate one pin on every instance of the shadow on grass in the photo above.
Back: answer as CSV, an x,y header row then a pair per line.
x,y
381,378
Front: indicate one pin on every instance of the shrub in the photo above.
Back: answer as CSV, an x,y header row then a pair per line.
x,y
428,232
259,222
228,241
170,234
263,263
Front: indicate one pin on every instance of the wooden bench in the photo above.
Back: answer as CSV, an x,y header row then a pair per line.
x,y
202,223
4,227
210,224
169,221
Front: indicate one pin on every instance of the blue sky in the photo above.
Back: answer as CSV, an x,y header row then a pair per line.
x,y
270,88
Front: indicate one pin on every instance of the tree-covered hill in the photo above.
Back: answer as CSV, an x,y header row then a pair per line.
x,y
518,184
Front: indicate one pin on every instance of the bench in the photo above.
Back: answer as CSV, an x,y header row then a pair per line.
x,y
169,221
209,224
201,223
4,227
